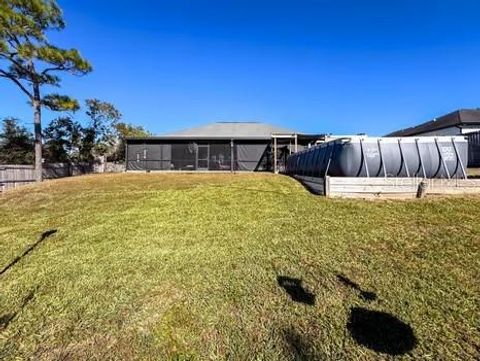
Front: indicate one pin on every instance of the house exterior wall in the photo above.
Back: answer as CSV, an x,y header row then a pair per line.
x,y
454,130
441,132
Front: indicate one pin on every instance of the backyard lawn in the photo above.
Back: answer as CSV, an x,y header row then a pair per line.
x,y
234,267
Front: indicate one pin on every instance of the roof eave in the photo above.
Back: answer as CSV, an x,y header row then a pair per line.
x,y
234,137
190,137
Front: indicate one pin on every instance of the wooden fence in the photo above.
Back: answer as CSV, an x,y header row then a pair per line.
x,y
14,175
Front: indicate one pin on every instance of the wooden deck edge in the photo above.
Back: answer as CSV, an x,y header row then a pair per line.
x,y
399,187
351,187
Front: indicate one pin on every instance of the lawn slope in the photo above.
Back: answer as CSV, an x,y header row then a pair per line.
x,y
237,267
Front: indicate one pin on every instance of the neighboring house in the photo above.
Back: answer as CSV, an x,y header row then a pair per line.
x,y
221,146
459,122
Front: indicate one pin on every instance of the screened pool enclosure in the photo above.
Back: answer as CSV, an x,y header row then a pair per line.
x,y
220,146
200,155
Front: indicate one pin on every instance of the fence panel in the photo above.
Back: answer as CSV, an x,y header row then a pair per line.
x,y
12,176
56,170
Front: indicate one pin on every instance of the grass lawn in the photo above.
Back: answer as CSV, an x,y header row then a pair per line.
x,y
235,267
473,172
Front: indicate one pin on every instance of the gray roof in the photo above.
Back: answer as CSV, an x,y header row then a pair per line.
x,y
457,118
235,130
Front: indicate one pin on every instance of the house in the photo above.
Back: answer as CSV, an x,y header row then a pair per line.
x,y
220,146
459,122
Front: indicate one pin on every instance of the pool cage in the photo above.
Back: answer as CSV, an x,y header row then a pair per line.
x,y
200,155
177,154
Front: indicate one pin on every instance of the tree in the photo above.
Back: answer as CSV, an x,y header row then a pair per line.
x,y
32,63
99,135
125,130
16,143
63,139
67,140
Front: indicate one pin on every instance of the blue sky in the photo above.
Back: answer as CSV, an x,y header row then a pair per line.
x,y
334,66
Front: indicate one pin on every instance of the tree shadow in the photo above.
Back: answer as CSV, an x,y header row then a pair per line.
x,y
298,347
7,318
294,288
380,331
29,249
366,295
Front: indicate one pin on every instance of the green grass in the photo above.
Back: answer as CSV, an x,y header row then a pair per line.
x,y
185,267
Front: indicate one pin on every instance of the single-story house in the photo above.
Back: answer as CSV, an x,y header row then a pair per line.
x,y
220,146
459,122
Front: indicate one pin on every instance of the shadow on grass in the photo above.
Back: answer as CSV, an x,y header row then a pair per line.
x,y
366,295
298,347
380,331
294,288
30,248
6,319
312,187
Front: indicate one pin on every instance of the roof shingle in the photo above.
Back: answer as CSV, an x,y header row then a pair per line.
x,y
231,130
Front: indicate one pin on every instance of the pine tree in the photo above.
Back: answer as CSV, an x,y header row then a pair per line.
x,y
16,143
32,63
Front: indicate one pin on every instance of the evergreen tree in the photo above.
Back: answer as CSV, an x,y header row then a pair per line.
x,y
99,135
16,143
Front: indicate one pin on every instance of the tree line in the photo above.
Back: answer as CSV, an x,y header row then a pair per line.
x,y
99,133
34,65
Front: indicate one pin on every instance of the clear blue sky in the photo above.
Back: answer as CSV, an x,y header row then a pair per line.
x,y
337,66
